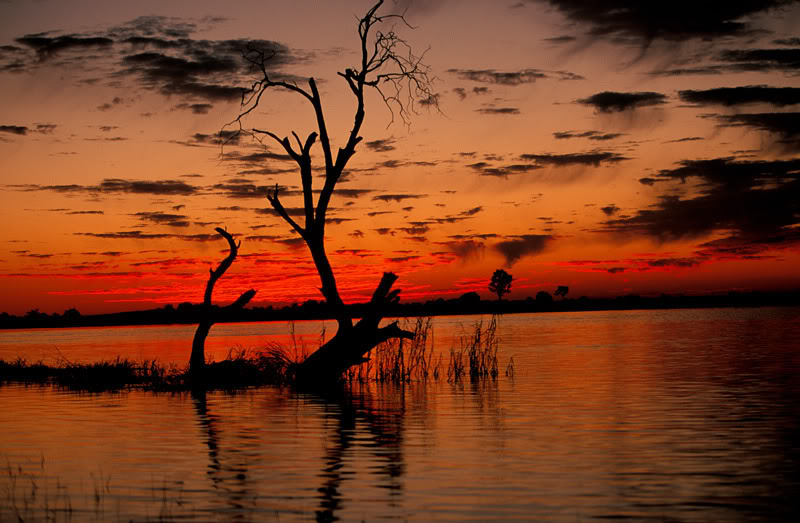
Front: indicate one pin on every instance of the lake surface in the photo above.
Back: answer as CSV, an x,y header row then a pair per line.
x,y
682,415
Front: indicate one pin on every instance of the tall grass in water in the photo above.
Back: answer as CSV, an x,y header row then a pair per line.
x,y
31,494
473,356
400,361
476,355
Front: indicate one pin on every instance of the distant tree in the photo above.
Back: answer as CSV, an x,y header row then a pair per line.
x,y
72,313
35,314
500,283
562,291
470,297
543,298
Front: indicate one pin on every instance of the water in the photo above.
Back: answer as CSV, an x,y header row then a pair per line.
x,y
685,415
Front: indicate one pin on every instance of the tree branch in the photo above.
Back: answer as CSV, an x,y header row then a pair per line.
x,y
278,206
223,266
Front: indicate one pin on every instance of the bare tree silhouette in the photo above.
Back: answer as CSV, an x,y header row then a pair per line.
x,y
387,65
197,360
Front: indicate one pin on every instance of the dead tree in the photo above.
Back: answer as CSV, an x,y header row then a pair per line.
x,y
209,313
387,65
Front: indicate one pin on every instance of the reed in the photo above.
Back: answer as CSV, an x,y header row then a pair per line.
x,y
397,361
31,493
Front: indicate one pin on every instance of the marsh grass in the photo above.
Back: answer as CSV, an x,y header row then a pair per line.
x,y
401,361
472,356
241,368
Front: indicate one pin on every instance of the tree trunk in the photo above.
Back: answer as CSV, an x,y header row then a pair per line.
x,y
349,345
197,361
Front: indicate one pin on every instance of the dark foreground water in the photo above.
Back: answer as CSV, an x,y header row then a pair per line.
x,y
685,415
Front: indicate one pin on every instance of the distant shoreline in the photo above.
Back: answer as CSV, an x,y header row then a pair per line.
x,y
187,313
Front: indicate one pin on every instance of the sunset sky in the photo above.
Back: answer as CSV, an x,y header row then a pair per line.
x,y
615,147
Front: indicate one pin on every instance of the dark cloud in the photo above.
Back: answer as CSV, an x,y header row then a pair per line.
x,y
523,245
591,135
45,128
381,146
562,160
85,212
785,126
115,185
610,209
291,211
165,187
397,197
755,202
198,108
502,171
430,101
675,262
49,46
253,158
110,105
216,139
177,75
352,193
563,39
160,218
686,139
125,235
357,234
417,230
749,247
750,94
34,255
14,129
466,250
402,259
498,110
261,237
483,236
641,23
243,189
161,54
761,60
610,101
491,76
292,243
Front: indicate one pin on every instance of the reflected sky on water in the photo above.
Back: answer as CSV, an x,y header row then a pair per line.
x,y
688,415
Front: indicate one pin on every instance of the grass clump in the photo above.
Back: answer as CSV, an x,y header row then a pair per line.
x,y
242,368
476,355
401,361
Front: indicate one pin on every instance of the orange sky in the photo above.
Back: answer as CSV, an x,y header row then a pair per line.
x,y
613,148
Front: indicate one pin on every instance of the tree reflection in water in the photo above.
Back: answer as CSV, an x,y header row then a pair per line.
x,y
356,428
229,476
354,422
